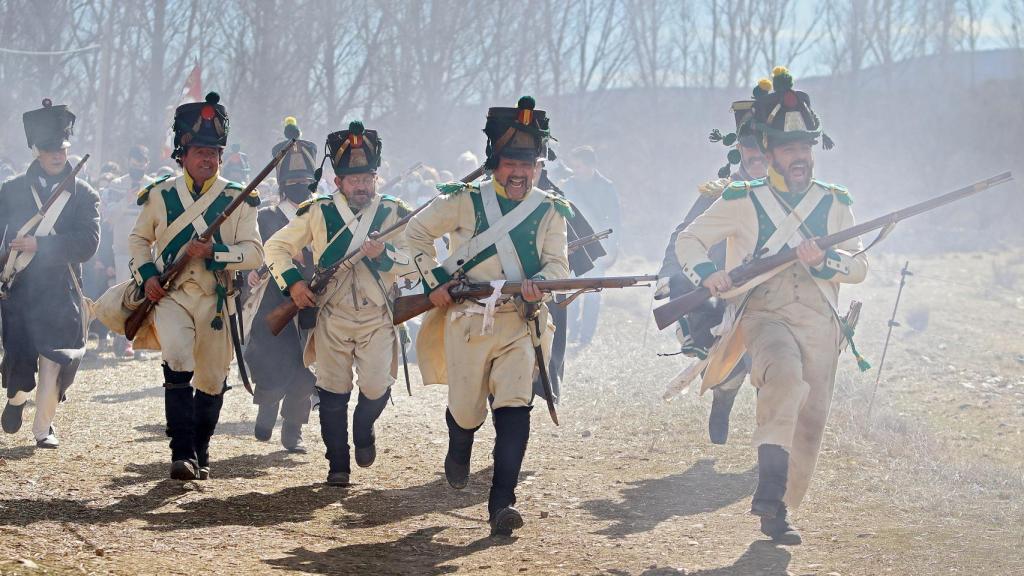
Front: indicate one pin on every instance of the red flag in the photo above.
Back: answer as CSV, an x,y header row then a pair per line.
x,y
192,91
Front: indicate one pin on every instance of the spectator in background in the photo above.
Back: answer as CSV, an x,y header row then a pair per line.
x,y
466,164
596,197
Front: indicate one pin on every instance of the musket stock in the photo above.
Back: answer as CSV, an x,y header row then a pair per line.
x,y
61,186
287,310
139,315
408,307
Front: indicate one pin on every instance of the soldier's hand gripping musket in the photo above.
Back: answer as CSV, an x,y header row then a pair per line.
x,y
9,265
167,278
353,343
279,317
51,224
187,307
675,309
411,306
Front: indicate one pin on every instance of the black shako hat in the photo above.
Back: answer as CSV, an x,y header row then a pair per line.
x,y
520,133
785,115
743,113
49,127
298,165
354,151
200,124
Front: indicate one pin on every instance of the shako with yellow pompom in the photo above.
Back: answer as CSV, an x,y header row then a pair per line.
x,y
785,321
282,383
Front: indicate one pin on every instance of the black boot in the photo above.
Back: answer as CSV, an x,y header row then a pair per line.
x,y
207,413
334,431
780,530
179,408
460,450
366,413
12,417
772,472
721,408
266,418
512,432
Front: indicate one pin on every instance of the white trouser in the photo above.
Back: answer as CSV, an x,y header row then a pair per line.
x,y
47,397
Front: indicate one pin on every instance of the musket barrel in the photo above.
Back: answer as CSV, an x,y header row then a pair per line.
x,y
676,308
139,315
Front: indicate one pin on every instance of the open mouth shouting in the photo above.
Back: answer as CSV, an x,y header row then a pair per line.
x,y
517,186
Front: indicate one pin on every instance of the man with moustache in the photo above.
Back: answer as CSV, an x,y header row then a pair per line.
x,y
281,380
190,317
788,323
503,228
42,303
745,152
354,341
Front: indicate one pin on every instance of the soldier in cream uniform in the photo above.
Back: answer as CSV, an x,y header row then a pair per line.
x,y
787,323
503,228
354,341
693,331
190,319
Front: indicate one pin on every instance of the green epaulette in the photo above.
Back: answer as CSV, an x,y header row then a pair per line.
x,y
304,207
736,190
562,206
839,191
143,196
455,187
253,199
404,208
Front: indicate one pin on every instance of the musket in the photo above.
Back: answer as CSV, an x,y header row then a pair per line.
x,y
675,309
588,240
139,315
398,179
411,306
279,317
64,183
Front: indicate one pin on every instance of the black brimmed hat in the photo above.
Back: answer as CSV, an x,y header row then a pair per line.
x,y
49,127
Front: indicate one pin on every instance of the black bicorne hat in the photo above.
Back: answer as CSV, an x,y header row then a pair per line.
x,y
200,124
785,115
520,133
298,165
49,127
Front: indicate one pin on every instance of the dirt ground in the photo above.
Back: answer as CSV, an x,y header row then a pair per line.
x,y
629,484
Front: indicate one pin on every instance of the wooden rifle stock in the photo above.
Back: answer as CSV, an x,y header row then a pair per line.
x,y
279,317
61,186
675,309
139,315
411,306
